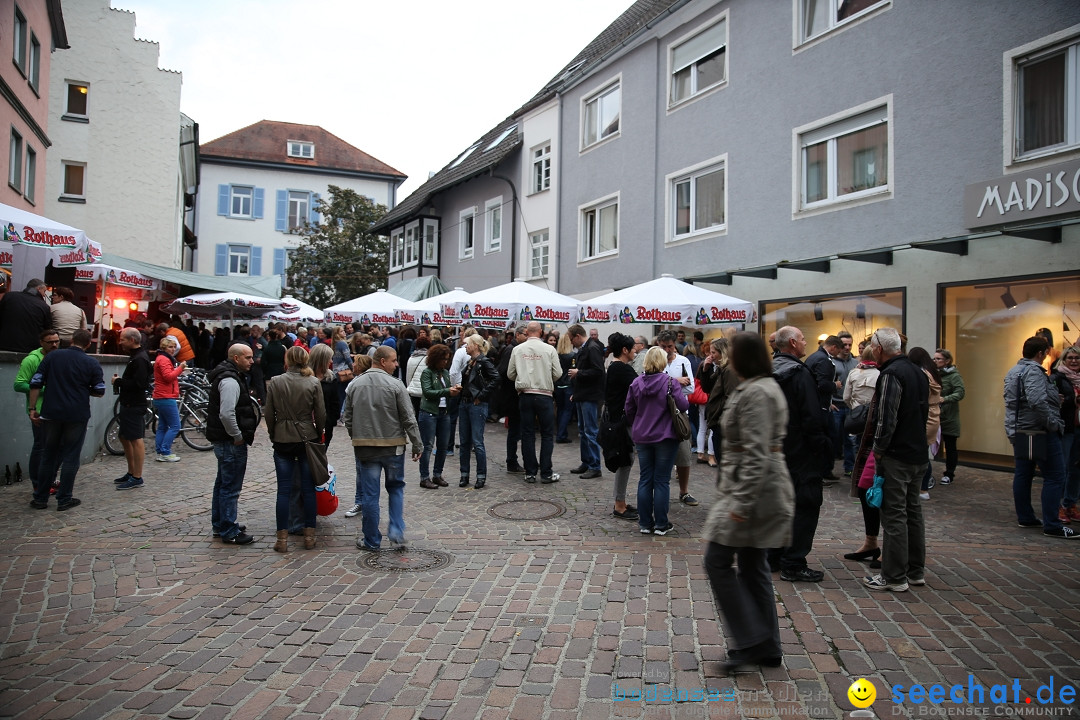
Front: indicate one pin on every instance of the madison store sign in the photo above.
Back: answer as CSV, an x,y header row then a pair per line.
x,y
1031,195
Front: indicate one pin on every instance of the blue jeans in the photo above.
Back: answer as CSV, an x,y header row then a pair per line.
x,y
843,444
654,483
435,432
537,409
61,449
168,425
588,426
287,464
564,408
1053,471
1070,450
471,421
232,464
369,472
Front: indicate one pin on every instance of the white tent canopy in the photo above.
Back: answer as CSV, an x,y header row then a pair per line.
x,y
221,305
304,313
376,308
666,301
517,301
31,242
429,311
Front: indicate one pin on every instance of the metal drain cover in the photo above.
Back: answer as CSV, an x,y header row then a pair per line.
x,y
411,560
526,510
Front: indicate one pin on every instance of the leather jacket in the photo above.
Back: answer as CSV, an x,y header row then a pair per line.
x,y
479,380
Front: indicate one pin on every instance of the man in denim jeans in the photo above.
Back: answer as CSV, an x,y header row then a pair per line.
x,y
379,418
230,425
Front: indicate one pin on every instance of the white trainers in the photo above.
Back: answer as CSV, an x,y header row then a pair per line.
x,y
171,457
924,496
353,511
878,583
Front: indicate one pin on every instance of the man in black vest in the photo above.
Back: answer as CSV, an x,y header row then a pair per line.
x,y
230,425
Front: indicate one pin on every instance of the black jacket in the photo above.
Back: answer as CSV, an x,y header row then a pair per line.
x,y
902,404
806,440
589,382
821,367
246,419
136,379
619,377
1068,405
478,380
23,315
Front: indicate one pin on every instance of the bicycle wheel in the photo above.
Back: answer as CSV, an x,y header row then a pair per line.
x,y
258,410
193,427
112,438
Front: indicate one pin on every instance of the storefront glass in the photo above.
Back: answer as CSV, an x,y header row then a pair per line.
x,y
860,315
985,326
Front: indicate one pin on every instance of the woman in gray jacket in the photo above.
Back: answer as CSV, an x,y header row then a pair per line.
x,y
754,508
295,413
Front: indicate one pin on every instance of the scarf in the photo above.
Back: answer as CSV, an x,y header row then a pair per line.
x,y
1071,375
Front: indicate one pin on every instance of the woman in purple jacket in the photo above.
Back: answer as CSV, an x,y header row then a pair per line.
x,y
652,432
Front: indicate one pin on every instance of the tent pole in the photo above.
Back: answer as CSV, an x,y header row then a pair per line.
x,y
101,309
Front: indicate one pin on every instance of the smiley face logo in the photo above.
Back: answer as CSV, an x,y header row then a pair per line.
x,y
862,693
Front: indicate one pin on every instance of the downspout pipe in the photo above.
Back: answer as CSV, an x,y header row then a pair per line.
x,y
513,223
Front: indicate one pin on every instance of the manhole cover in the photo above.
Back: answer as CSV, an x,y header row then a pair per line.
x,y
526,510
402,561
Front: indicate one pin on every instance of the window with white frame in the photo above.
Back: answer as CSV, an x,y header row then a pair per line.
x,y
19,40
301,149
74,181
299,205
397,249
699,62
31,173
599,229
412,243
239,259
817,17
600,115
431,241
1047,106
846,159
698,201
501,136
493,225
33,74
539,250
541,168
466,237
77,96
461,158
15,166
240,201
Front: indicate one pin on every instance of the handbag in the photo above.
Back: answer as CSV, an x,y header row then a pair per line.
x,y
318,465
680,421
345,375
1027,444
699,396
855,422
874,493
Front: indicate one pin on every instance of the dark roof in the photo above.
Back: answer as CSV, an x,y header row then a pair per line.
x,y
481,157
266,141
639,16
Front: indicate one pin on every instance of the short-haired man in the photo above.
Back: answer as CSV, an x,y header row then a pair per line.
x,y
50,340
820,364
534,367
679,368
1033,405
379,418
73,378
641,343
843,443
804,445
587,376
902,405
23,316
230,425
132,389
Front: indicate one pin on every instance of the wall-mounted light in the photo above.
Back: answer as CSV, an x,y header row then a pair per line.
x,y
819,312
1008,299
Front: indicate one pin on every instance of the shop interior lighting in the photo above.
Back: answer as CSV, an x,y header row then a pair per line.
x,y
1008,299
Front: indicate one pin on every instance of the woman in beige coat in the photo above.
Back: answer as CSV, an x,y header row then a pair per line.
x,y
754,510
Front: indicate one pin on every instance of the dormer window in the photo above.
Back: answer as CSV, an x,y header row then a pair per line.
x,y
300,149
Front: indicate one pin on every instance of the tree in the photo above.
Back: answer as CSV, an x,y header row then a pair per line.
x,y
339,259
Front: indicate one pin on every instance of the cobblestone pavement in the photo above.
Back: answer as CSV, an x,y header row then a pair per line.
x,y
125,607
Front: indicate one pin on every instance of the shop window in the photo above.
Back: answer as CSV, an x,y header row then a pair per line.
x,y
859,314
985,325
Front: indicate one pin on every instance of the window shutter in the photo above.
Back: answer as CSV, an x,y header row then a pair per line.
x,y
256,260
313,214
257,205
222,199
281,220
221,258
279,261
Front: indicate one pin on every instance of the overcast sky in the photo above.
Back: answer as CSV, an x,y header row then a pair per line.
x,y
411,82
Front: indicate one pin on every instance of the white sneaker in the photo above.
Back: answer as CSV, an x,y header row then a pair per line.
x,y
172,457
353,511
878,583
924,496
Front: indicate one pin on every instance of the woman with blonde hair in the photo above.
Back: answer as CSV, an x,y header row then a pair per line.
x,y
321,360
564,405
295,414
166,394
479,378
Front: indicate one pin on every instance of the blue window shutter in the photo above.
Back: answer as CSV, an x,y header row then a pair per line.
x,y
221,259
281,203
223,193
313,214
256,260
257,206
279,261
